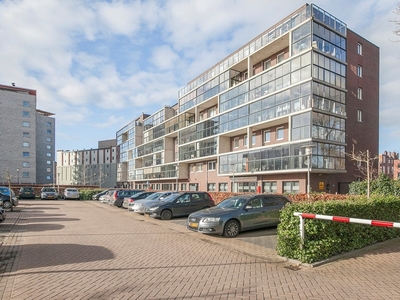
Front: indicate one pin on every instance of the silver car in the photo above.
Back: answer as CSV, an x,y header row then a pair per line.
x,y
48,193
138,205
238,213
71,193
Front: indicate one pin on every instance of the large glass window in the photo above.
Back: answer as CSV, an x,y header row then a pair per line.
x,y
291,187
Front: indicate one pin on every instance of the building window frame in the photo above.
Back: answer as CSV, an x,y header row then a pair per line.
x,y
280,57
359,71
280,133
236,142
359,48
359,116
359,93
267,136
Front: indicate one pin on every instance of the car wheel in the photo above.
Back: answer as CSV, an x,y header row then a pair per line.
x,y
231,228
166,215
7,206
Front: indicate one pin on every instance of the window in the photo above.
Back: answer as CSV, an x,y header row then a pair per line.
x,y
48,124
48,177
359,115
359,71
48,139
199,167
212,112
48,162
48,147
25,154
48,170
253,139
212,165
236,143
48,131
26,104
25,174
25,134
279,133
270,186
291,187
25,164
25,113
359,93
359,48
191,168
267,136
211,187
245,140
280,57
25,124
267,64
48,154
223,187
25,144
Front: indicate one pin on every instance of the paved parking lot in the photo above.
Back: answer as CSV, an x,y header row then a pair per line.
x,y
89,250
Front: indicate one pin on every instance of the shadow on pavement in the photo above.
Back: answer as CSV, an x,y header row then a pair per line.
x,y
46,255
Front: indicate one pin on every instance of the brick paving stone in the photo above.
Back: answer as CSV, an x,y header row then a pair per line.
x,y
88,250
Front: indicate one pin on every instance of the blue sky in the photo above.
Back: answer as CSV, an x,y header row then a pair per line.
x,y
97,65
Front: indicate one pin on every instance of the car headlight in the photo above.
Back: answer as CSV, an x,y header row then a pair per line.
x,y
210,220
153,208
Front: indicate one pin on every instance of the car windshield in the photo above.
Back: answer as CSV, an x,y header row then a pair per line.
x,y
4,190
49,190
234,202
172,197
153,196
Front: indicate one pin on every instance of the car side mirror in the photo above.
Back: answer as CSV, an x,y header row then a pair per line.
x,y
248,207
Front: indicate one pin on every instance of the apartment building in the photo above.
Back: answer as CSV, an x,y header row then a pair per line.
x,y
93,167
27,138
389,164
277,115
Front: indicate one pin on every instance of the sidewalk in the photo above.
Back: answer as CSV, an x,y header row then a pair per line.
x,y
88,250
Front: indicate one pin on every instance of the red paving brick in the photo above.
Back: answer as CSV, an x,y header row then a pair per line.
x,y
88,250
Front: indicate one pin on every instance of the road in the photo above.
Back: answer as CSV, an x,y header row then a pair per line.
x,y
89,250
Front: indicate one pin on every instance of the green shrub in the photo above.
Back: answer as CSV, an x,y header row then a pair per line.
x,y
324,239
86,194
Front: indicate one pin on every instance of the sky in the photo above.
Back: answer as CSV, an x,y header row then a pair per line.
x,y
98,65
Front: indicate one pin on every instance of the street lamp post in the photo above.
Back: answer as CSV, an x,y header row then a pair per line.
x,y
177,175
18,175
233,177
308,154
58,183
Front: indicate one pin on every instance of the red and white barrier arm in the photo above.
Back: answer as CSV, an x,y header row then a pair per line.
x,y
348,220
303,216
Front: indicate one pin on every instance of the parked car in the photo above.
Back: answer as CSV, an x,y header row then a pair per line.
x,y
71,193
2,214
139,204
98,195
10,200
128,201
105,198
238,213
48,193
26,192
179,204
117,197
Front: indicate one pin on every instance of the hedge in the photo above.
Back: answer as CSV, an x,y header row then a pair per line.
x,y
324,239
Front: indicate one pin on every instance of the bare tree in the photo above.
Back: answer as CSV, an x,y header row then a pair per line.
x,y
397,22
365,165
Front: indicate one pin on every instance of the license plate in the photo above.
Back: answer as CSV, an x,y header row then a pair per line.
x,y
193,225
